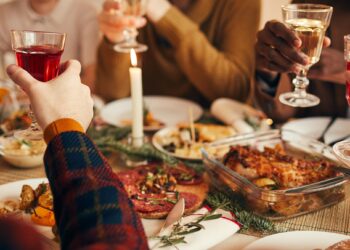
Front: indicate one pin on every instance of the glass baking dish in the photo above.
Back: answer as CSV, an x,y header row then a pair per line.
x,y
276,204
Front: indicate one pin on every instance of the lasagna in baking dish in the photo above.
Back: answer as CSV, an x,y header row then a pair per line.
x,y
273,169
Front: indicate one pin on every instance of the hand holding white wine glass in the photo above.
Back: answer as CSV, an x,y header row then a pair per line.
x,y
309,22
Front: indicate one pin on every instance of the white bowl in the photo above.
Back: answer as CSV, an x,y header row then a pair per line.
x,y
25,160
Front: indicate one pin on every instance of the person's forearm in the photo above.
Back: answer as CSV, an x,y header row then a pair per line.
x,y
112,75
215,72
91,207
270,103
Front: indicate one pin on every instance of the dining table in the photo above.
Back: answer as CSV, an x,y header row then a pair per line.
x,y
331,219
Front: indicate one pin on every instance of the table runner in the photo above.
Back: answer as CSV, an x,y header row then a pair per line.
x,y
10,174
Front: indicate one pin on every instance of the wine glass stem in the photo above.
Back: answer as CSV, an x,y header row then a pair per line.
x,y
130,35
34,125
301,83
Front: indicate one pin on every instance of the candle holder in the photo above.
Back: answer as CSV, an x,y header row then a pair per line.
x,y
132,161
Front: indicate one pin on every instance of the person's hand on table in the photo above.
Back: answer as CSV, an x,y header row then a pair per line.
x,y
278,50
330,67
112,21
62,97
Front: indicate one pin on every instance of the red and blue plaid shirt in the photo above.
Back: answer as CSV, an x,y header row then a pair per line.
x,y
92,209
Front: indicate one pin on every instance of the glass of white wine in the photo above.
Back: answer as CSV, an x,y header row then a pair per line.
x,y
131,9
309,22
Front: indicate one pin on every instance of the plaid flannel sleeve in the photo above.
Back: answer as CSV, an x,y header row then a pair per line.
x,y
92,209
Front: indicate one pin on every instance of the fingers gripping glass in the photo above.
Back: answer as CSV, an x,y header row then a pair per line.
x,y
342,149
39,53
132,10
309,22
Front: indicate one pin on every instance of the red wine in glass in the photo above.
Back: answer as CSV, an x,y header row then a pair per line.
x,y
41,61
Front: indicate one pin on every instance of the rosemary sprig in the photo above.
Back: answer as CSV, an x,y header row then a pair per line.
x,y
179,231
229,201
147,151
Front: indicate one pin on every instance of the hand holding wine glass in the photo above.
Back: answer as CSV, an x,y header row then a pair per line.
x,y
119,22
309,22
113,23
56,98
278,50
39,53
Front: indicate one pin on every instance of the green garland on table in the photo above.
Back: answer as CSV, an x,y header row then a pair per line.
x,y
227,200
108,132
147,151
109,139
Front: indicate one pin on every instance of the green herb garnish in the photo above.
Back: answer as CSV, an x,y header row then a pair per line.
x,y
229,201
180,231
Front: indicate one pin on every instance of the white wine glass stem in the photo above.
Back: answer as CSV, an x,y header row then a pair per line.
x,y
130,35
34,126
301,82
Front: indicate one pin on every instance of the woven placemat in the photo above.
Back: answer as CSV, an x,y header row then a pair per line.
x,y
10,174
332,219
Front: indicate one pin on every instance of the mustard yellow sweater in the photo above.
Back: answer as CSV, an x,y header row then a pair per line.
x,y
203,54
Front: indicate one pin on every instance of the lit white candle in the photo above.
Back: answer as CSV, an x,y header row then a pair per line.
x,y
136,96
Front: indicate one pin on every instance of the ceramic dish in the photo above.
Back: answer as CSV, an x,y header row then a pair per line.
x,y
22,154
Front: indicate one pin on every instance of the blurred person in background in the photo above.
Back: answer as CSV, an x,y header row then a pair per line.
x,y
278,57
77,18
198,49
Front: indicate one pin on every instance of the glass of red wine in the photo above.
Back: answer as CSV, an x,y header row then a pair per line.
x,y
342,149
39,53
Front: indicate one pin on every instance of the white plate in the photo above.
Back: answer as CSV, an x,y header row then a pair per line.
x,y
313,127
297,240
160,139
169,110
156,141
13,190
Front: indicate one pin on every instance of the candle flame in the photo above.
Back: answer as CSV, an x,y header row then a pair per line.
x,y
133,58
